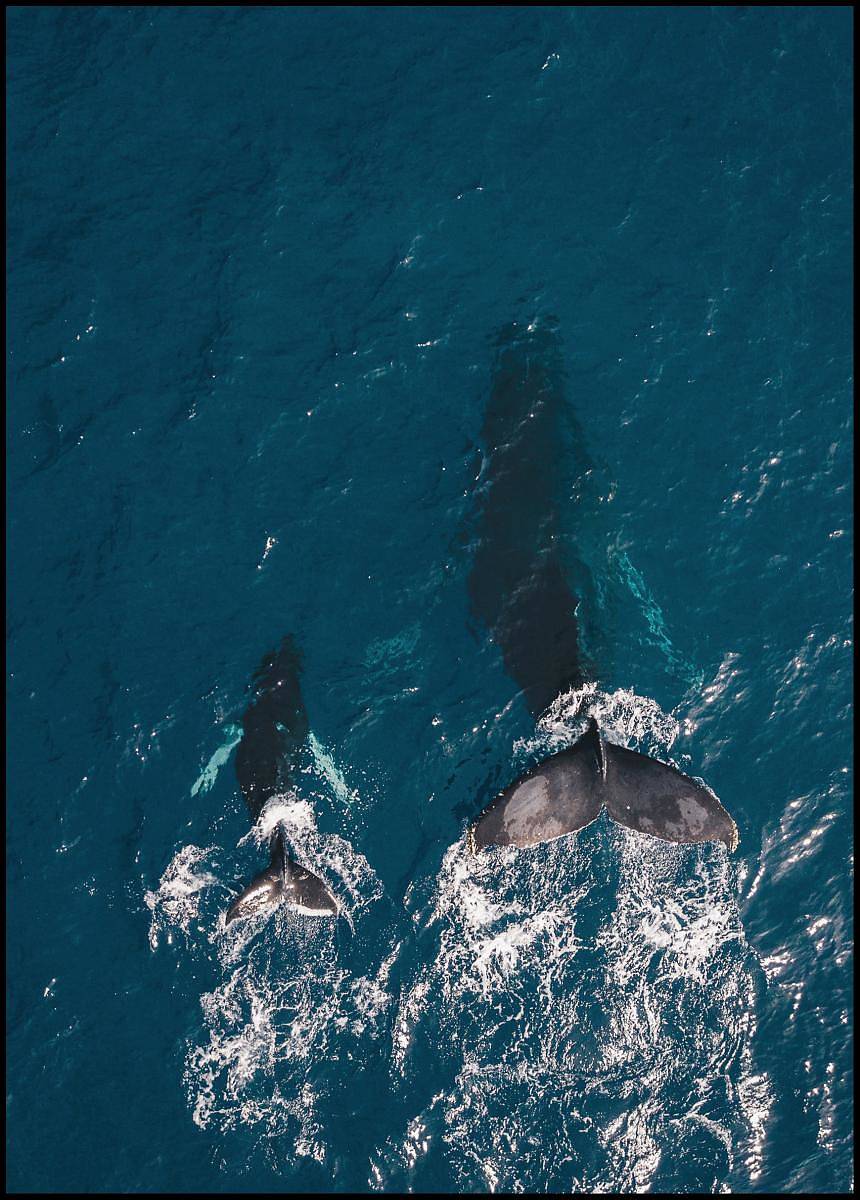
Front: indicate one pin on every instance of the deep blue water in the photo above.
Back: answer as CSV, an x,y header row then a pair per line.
x,y
256,261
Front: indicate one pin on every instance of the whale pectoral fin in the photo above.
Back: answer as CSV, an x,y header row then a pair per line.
x,y
652,797
559,796
293,885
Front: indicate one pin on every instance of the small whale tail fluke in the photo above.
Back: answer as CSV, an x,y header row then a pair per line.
x,y
566,792
284,881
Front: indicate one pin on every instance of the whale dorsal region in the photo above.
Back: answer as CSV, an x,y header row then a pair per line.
x,y
519,591
517,585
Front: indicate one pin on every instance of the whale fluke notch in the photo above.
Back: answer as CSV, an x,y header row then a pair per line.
x,y
566,792
283,882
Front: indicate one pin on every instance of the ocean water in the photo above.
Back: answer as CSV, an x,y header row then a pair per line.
x,y
256,261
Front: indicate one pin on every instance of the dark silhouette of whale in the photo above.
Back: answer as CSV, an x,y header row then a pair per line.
x,y
519,591
274,728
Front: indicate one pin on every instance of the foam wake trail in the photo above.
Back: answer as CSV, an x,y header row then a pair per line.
x,y
289,1006
290,996
586,1006
294,994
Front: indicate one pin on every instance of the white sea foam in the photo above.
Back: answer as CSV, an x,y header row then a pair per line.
x,y
623,716
584,1047
175,903
286,1007
291,997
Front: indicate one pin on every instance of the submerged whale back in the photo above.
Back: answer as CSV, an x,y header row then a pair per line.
x,y
274,727
519,589
517,585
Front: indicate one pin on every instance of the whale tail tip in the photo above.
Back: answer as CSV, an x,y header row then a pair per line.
x,y
263,892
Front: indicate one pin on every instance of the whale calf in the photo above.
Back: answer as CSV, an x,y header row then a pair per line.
x,y
274,728
519,591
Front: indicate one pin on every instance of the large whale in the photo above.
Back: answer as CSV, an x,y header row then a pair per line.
x,y
274,728
519,591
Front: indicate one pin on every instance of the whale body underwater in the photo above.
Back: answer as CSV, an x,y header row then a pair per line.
x,y
274,729
519,592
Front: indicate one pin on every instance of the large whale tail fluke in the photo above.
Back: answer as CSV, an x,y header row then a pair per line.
x,y
567,791
283,881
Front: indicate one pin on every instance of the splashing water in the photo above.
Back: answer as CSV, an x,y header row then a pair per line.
x,y
574,1044
293,994
623,716
176,901
578,1048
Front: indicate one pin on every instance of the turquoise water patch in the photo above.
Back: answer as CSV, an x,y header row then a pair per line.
x,y
653,614
209,774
